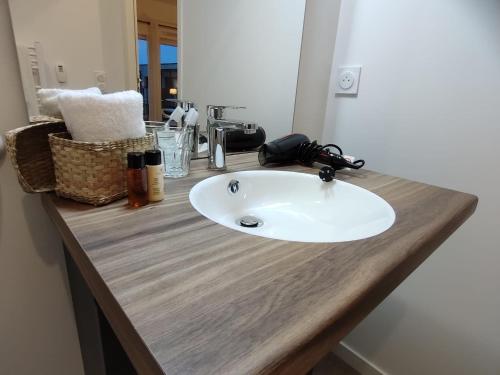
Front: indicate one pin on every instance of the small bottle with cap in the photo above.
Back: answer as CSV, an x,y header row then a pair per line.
x,y
136,180
154,169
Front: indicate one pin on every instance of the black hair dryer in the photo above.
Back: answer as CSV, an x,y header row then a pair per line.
x,y
298,148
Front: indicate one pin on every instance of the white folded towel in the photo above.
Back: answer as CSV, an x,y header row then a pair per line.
x,y
99,118
48,99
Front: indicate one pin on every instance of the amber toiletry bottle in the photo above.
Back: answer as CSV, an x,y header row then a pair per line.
x,y
136,180
154,167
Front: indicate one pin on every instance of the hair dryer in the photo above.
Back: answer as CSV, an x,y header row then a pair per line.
x,y
298,147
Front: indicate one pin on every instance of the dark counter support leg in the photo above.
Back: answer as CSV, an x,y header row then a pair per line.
x,y
102,353
87,320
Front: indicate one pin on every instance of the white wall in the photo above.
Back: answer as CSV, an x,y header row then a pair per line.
x,y
429,109
37,330
84,35
242,53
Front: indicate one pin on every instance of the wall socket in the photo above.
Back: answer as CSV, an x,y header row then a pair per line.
x,y
100,79
348,80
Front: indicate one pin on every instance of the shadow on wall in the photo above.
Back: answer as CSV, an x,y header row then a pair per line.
x,y
44,235
429,339
40,228
1,205
3,152
3,158
394,311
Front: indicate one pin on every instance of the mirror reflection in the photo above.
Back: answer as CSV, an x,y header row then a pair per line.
x,y
220,52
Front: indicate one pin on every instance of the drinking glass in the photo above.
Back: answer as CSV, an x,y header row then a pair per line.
x,y
176,144
154,127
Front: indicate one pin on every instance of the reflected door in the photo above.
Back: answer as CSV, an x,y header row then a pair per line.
x,y
157,57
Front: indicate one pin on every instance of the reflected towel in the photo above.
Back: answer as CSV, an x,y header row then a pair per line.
x,y
99,118
48,99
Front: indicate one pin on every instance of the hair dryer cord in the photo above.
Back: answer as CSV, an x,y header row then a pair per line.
x,y
310,152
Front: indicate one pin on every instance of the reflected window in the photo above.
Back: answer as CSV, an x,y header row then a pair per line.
x,y
168,62
143,59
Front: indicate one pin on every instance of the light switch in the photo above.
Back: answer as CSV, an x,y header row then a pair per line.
x,y
61,75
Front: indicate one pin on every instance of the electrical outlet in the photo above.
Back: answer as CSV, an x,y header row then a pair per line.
x,y
348,80
100,79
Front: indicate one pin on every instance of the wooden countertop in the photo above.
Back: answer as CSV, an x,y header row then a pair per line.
x,y
185,295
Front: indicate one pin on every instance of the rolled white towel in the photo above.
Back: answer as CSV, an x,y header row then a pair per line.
x,y
99,118
48,99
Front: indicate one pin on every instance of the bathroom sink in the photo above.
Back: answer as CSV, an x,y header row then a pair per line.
x,y
292,206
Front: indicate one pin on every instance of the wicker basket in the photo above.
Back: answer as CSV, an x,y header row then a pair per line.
x,y
43,118
91,172
29,151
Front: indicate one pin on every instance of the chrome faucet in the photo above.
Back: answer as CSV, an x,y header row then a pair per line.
x,y
217,126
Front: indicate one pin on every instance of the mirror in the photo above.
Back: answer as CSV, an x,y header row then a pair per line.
x,y
222,52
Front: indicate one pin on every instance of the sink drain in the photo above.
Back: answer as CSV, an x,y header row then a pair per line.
x,y
250,222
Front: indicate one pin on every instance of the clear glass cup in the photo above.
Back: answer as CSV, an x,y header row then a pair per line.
x,y
176,144
154,127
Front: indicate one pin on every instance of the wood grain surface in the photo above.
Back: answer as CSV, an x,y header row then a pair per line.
x,y
185,295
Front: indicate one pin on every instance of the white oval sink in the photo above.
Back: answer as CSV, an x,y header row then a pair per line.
x,y
293,206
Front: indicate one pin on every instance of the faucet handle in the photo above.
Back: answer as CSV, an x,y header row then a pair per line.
x,y
217,111
250,127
